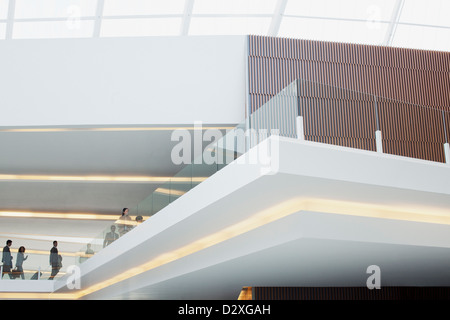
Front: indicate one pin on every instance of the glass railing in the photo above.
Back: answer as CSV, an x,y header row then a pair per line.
x,y
309,111
223,150
350,118
35,266
413,130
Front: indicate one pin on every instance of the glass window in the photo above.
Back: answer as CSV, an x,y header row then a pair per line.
x,y
2,31
54,8
229,26
53,29
333,30
142,7
342,9
140,27
431,12
234,6
4,9
422,38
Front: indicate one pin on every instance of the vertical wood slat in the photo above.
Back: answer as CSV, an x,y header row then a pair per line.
x,y
407,77
351,293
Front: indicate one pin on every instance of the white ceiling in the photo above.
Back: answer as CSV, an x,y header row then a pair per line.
x,y
400,23
77,153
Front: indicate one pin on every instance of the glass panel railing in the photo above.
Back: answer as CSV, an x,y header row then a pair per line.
x,y
35,265
279,113
413,130
222,151
355,119
310,111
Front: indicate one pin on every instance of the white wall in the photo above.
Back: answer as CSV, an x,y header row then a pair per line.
x,y
108,81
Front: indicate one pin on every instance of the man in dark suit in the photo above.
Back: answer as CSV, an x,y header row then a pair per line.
x,y
7,259
54,261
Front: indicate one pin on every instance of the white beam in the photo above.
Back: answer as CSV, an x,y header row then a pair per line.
x,y
10,19
98,18
396,13
189,5
277,16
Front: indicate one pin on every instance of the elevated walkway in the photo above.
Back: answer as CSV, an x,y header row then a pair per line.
x,y
310,214
286,213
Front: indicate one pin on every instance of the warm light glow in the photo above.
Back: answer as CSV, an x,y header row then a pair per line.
x,y
257,220
113,129
57,215
171,192
47,252
100,178
37,295
424,214
246,294
47,237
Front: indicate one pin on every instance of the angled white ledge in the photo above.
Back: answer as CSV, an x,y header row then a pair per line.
x,y
314,196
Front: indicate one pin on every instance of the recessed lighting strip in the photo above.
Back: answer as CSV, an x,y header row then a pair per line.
x,y
415,214
170,128
275,213
58,215
31,177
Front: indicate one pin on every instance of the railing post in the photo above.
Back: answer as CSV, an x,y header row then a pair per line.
x,y
1,272
299,120
300,130
378,138
39,273
446,145
447,152
379,141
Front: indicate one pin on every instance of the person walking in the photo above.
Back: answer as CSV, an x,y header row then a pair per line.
x,y
7,259
110,237
19,261
87,254
54,260
125,223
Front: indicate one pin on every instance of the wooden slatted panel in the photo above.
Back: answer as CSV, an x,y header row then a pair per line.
x,y
415,77
351,293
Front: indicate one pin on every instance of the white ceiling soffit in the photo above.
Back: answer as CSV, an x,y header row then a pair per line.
x,y
400,23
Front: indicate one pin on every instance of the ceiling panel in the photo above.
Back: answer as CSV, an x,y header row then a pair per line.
x,y
234,6
140,27
430,12
229,26
333,30
54,8
53,29
2,30
343,9
417,24
3,9
422,38
140,7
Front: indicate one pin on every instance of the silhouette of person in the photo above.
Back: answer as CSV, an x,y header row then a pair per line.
x,y
19,261
87,254
125,223
7,259
110,237
54,260
139,220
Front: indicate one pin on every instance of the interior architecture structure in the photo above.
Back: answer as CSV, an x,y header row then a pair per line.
x,y
264,149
